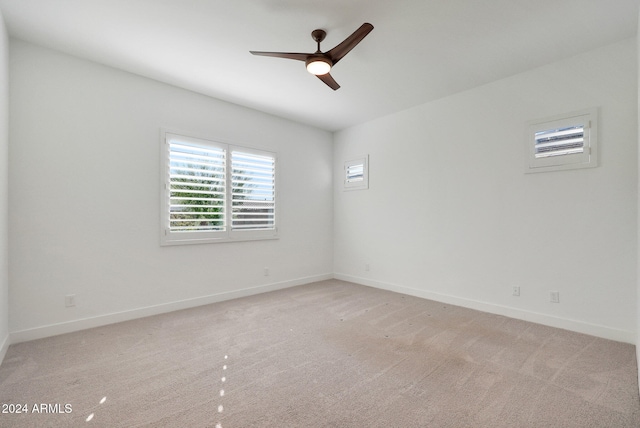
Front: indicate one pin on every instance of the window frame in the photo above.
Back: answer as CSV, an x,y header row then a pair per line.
x,y
228,234
587,159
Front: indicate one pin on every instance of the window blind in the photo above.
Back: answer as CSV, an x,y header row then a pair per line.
x,y
560,141
354,172
197,188
252,191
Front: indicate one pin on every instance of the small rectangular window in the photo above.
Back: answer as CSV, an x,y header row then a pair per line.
x,y
562,142
356,173
214,192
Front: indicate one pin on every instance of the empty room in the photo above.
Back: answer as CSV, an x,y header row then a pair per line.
x,y
292,213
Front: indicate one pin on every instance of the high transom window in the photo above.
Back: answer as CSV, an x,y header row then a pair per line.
x,y
563,142
356,173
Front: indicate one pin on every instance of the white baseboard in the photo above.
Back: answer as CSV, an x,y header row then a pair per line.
x,y
538,318
4,347
100,320
638,366
85,323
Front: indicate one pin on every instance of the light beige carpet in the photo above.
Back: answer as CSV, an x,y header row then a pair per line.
x,y
329,354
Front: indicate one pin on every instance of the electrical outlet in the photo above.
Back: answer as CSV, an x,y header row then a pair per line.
x,y
70,300
554,297
516,291
367,267
266,271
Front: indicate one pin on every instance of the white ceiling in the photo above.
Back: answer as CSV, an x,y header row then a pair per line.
x,y
419,50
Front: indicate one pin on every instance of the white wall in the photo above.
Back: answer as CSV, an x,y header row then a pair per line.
x,y
85,194
450,214
638,222
4,190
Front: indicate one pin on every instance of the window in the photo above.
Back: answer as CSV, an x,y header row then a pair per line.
x,y
356,173
214,192
563,142
252,191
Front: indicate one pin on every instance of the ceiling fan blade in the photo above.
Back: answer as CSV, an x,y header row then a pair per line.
x,y
326,78
288,55
349,43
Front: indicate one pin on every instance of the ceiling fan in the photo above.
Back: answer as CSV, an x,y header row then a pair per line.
x,y
319,63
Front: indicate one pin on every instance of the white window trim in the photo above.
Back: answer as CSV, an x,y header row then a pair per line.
x,y
587,159
360,184
201,237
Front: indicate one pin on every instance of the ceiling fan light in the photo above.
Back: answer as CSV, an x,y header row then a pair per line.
x,y
318,66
